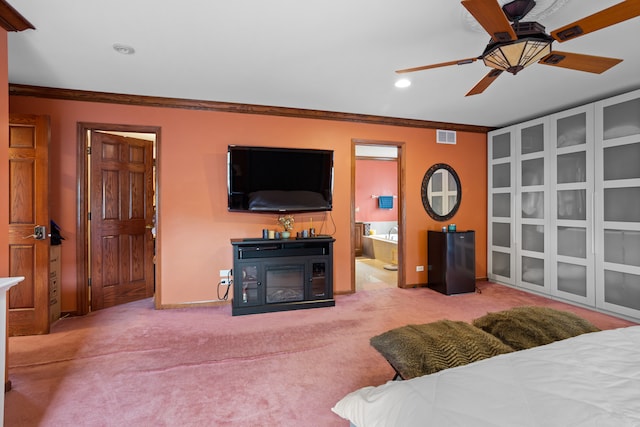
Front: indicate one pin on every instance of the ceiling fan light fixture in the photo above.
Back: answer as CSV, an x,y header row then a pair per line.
x,y
517,55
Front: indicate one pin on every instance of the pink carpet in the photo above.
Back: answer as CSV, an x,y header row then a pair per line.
x,y
133,365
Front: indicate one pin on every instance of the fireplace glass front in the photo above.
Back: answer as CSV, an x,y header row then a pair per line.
x,y
284,283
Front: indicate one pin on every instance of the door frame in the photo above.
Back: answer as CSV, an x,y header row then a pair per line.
x,y
83,170
402,280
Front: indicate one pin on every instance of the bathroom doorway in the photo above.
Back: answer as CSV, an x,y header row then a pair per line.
x,y
377,212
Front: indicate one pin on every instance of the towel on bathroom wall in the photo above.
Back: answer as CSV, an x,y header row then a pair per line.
x,y
385,202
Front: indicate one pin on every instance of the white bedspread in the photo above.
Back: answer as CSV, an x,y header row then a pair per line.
x,y
590,380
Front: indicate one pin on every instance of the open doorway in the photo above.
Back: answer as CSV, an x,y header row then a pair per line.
x,y
377,215
117,219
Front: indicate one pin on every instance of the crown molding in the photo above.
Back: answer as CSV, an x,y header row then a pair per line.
x,y
229,107
11,20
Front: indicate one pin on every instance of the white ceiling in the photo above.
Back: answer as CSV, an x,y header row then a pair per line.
x,y
333,55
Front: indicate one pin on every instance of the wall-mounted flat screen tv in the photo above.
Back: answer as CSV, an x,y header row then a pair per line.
x,y
268,179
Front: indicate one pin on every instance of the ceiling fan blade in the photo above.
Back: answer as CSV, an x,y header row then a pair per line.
x,y
580,62
612,15
484,83
442,64
489,14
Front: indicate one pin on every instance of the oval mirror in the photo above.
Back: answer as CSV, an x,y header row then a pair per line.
x,y
441,192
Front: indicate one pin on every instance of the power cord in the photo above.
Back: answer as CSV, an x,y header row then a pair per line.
x,y
225,297
226,293
324,222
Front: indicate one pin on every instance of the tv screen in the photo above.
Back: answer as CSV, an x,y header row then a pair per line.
x,y
265,179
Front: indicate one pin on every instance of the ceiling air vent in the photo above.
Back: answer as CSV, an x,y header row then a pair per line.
x,y
445,136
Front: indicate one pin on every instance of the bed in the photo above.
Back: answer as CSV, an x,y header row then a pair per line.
x,y
588,380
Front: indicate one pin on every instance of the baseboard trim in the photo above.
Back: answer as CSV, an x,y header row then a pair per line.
x,y
214,303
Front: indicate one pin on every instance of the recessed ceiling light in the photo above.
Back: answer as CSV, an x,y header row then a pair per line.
x,y
403,83
124,49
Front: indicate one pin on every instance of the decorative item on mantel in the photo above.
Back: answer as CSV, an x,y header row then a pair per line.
x,y
286,222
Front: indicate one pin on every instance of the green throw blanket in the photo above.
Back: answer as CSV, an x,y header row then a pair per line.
x,y
416,350
526,327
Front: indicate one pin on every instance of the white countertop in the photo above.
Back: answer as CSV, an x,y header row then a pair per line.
x,y
7,282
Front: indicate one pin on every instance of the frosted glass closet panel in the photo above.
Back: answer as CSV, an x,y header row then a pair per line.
x,y
572,167
501,146
622,247
501,205
533,238
622,289
501,175
572,204
622,204
572,242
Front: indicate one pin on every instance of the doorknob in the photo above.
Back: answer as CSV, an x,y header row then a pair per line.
x,y
148,226
39,233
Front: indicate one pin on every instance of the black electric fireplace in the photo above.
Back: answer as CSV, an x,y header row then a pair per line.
x,y
285,274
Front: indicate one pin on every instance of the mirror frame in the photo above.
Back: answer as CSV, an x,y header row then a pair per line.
x,y
425,185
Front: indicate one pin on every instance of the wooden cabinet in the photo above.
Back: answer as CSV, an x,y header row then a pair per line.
x,y
451,261
357,238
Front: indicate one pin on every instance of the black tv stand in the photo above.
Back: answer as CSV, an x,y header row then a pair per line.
x,y
282,274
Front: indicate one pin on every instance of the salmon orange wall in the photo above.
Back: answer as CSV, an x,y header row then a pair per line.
x,y
376,178
194,226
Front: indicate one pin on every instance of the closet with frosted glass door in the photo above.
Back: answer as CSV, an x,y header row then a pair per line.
x,y
520,227
617,177
518,206
574,214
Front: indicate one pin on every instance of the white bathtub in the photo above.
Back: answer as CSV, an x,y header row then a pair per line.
x,y
383,247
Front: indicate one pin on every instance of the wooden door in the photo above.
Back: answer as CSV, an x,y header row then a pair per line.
x,y
28,208
121,194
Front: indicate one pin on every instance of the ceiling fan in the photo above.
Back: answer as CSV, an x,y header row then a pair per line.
x,y
515,45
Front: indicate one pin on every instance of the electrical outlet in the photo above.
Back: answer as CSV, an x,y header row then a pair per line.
x,y
225,273
225,282
419,267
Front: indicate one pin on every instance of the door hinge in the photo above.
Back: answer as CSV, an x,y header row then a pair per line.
x,y
89,281
88,150
89,216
